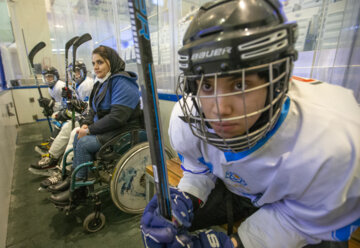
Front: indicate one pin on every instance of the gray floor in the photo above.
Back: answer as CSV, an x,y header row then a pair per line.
x,y
35,222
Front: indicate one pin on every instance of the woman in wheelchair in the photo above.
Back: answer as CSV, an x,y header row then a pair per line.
x,y
114,107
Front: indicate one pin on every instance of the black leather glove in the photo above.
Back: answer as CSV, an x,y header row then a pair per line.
x,y
66,93
48,111
63,115
78,105
46,102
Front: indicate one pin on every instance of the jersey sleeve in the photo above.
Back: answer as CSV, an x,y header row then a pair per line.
x,y
85,89
197,177
267,227
56,94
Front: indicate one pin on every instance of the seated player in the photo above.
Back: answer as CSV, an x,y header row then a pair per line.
x,y
280,156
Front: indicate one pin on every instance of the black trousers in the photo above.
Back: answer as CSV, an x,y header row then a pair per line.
x,y
216,209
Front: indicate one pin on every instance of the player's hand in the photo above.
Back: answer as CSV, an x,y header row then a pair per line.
x,y
78,105
181,208
202,239
82,132
66,93
48,111
157,232
63,115
46,102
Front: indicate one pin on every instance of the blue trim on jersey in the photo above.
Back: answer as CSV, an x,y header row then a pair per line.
x,y
344,233
56,123
202,172
181,158
234,156
208,164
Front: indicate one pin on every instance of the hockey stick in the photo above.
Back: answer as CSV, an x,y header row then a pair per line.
x,y
67,47
31,56
141,35
68,44
78,42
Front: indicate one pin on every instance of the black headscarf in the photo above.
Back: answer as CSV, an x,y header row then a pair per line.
x,y
116,63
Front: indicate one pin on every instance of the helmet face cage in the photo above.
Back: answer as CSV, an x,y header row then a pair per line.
x,y
227,43
255,123
48,73
78,73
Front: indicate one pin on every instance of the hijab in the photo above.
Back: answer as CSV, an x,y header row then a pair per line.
x,y
116,63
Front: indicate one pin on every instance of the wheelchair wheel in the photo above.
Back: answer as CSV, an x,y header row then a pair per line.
x,y
92,223
127,186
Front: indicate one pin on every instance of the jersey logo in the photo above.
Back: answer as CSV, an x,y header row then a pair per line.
x,y
235,178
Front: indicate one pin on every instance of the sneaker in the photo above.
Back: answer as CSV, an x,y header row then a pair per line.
x,y
45,173
43,147
42,151
45,155
45,163
51,180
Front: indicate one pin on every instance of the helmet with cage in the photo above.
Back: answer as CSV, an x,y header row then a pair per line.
x,y
78,73
230,41
50,76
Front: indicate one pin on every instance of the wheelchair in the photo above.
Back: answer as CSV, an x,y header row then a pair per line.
x,y
118,169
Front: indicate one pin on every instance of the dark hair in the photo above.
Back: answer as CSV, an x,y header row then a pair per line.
x,y
116,63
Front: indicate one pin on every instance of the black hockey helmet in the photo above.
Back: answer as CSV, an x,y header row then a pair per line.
x,y
79,67
50,71
237,37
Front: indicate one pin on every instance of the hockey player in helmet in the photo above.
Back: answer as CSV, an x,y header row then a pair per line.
x,y
63,140
83,83
280,156
51,77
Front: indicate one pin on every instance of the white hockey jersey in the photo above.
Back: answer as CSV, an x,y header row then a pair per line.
x,y
84,89
55,92
305,177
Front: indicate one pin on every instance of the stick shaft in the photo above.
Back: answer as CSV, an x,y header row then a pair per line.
x,y
31,56
67,47
141,35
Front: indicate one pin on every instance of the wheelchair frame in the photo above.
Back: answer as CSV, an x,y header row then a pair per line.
x,y
107,158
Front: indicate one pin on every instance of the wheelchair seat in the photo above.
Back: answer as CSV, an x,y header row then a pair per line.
x,y
119,144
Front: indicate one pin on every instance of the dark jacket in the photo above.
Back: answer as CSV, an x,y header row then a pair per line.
x,y
114,106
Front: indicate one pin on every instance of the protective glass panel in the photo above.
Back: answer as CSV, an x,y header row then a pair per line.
x,y
328,42
6,34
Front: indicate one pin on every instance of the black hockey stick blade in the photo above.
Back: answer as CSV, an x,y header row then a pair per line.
x,y
141,36
34,51
78,42
69,44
